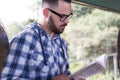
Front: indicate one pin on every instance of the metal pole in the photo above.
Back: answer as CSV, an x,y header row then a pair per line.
x,y
115,66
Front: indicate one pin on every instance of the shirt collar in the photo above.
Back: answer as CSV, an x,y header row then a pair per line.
x,y
42,31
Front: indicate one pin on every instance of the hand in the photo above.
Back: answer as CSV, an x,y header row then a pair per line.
x,y
61,77
81,79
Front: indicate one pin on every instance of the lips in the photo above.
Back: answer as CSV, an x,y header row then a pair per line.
x,y
63,26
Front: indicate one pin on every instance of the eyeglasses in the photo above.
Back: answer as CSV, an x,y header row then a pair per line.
x,y
63,17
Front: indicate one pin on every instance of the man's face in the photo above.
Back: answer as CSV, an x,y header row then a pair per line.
x,y
58,19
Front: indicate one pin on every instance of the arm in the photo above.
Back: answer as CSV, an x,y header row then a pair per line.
x,y
16,59
65,69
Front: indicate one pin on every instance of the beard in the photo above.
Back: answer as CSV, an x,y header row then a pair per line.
x,y
54,28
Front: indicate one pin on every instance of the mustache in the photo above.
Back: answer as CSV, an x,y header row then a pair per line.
x,y
63,25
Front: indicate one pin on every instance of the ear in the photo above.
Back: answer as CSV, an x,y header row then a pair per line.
x,y
45,12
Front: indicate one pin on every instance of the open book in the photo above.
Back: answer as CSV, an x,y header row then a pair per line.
x,y
99,65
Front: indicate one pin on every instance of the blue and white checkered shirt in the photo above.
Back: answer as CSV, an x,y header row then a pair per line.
x,y
34,55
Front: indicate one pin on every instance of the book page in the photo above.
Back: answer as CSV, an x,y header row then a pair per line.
x,y
102,60
99,65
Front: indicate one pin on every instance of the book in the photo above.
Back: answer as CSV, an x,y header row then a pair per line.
x,y
95,67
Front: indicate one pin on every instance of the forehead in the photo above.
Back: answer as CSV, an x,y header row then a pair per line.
x,y
63,7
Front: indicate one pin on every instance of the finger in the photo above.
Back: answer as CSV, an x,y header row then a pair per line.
x,y
72,79
81,79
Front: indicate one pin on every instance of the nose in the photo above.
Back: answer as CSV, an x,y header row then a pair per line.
x,y
66,20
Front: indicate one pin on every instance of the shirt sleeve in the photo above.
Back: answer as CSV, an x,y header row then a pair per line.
x,y
67,68
17,57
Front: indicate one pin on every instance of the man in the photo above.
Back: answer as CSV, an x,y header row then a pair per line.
x,y
39,53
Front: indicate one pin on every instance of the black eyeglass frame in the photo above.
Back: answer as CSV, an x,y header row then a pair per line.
x,y
63,17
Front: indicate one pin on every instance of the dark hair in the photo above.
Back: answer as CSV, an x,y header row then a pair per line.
x,y
4,45
53,2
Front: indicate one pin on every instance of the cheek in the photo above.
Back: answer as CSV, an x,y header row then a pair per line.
x,y
56,22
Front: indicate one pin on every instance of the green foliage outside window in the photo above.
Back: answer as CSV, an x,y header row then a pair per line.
x,y
87,36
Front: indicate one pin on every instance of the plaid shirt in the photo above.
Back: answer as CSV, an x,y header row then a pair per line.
x,y
34,55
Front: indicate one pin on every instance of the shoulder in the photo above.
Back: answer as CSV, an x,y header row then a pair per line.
x,y
29,34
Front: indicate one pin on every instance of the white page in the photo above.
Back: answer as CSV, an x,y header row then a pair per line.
x,y
99,65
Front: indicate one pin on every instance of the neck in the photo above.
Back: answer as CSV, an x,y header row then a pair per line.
x,y
46,27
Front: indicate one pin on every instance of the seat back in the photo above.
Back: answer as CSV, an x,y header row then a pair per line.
x,y
4,46
118,50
